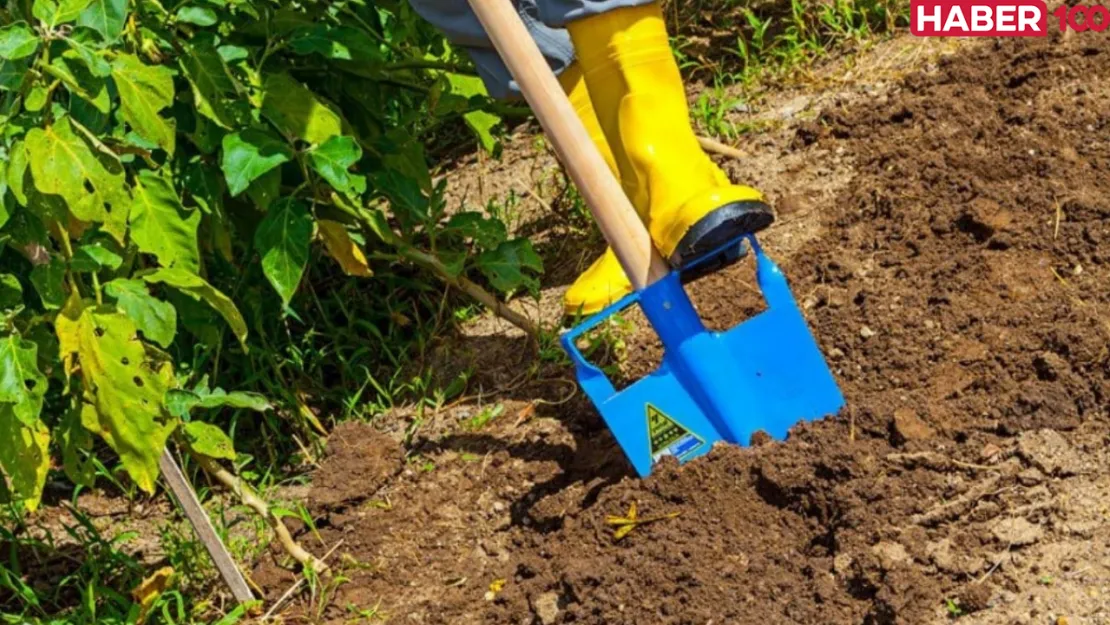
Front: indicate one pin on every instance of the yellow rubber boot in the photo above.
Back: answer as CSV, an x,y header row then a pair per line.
x,y
686,201
604,281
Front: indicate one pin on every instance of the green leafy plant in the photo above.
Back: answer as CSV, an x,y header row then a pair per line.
x,y
157,158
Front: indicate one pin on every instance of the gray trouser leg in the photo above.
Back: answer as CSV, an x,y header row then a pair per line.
x,y
461,27
559,13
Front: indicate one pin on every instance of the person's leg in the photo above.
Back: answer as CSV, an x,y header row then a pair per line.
x,y
461,27
686,200
604,281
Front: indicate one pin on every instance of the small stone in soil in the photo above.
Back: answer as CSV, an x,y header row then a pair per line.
x,y
866,332
546,607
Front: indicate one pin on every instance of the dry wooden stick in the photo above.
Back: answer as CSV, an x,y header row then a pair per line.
x,y
204,529
247,495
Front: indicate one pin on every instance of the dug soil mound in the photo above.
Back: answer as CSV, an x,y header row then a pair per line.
x,y
960,291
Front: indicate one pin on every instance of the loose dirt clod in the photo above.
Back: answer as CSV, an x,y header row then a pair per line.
x,y
1050,452
1017,532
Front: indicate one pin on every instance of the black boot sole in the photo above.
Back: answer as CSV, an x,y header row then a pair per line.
x,y
727,223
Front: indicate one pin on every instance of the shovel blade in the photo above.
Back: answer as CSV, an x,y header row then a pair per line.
x,y
766,374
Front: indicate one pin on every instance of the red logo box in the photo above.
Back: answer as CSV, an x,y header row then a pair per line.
x,y
964,18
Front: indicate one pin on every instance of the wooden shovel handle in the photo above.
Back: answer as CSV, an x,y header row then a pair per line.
x,y
613,212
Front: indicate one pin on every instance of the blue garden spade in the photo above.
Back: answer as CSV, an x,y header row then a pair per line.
x,y
766,374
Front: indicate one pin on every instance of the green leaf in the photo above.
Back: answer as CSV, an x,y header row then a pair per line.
x,y
505,266
54,13
12,74
214,91
200,16
249,154
336,43
198,288
93,258
480,122
107,17
283,240
157,320
266,189
81,82
333,158
144,90
62,164
17,41
181,402
83,45
24,457
297,112
17,171
36,99
487,233
22,385
208,440
49,282
76,443
124,387
205,186
161,225
11,292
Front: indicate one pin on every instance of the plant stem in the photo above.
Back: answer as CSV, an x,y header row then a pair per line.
x,y
251,499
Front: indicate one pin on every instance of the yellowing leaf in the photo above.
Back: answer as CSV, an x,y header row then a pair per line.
x,y
62,164
24,457
297,111
152,587
22,385
144,90
345,252
123,387
161,225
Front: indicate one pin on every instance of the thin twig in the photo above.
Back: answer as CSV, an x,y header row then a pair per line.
x,y
716,147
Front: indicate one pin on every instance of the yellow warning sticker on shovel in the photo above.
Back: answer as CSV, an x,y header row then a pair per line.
x,y
669,437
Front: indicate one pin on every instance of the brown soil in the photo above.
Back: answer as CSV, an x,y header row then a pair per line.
x,y
958,286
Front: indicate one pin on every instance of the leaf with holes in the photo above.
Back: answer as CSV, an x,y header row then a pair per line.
x,y
157,320
249,154
208,440
62,164
144,90
22,385
161,225
198,288
283,240
124,387
24,458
